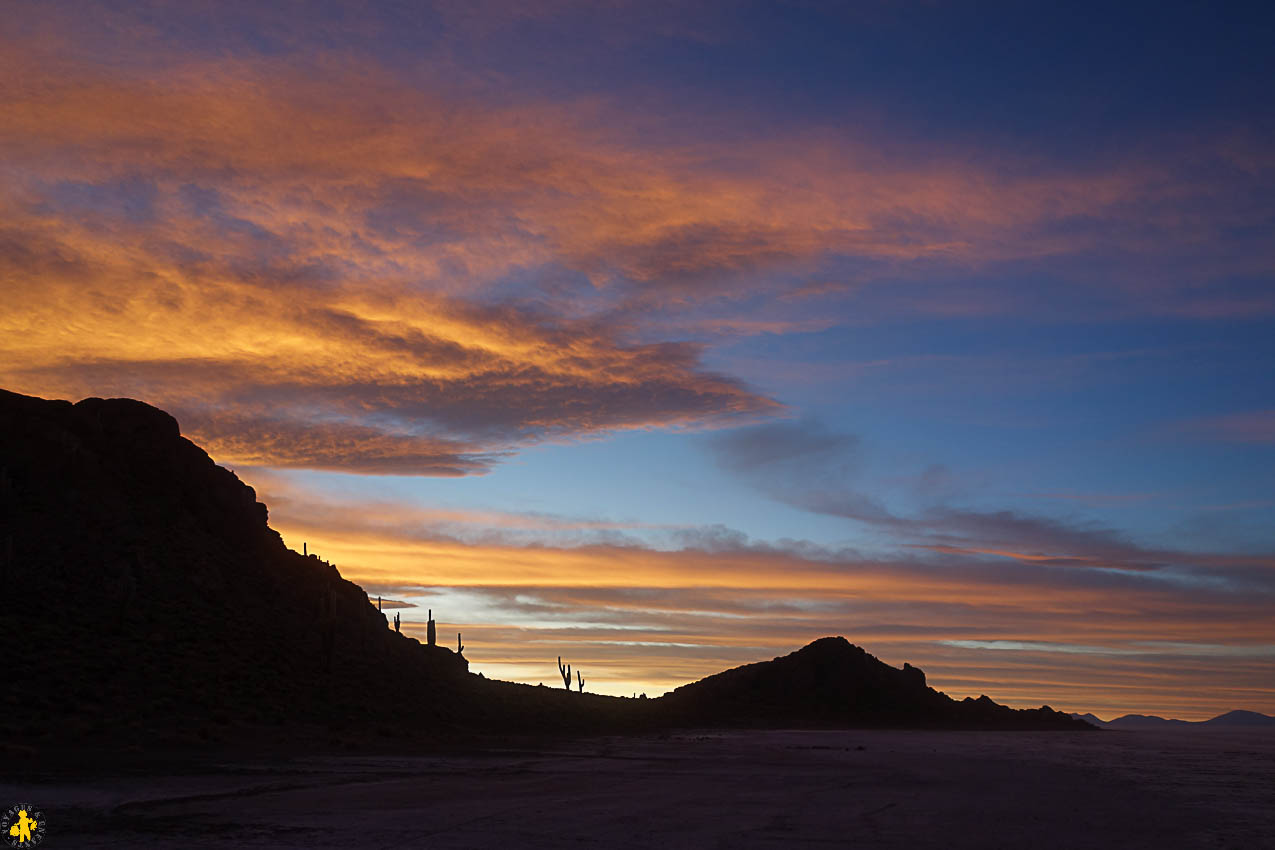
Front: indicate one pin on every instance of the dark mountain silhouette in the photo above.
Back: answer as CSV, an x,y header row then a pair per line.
x,y
1231,719
832,683
1241,718
145,591
148,602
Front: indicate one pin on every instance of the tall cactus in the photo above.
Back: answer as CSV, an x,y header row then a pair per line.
x,y
566,673
580,679
460,647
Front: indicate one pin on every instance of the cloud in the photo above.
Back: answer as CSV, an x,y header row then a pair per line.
x,y
331,250
344,160
310,513
1024,537
391,604
798,447
811,468
381,384
1257,426
802,464
331,446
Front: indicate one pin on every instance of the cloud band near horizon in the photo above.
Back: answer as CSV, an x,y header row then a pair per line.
x,y
646,616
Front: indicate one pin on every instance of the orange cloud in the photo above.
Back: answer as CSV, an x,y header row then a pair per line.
x,y
312,266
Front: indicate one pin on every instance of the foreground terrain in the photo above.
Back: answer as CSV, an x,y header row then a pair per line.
x,y
904,789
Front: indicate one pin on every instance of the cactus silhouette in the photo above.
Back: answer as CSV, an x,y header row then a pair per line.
x,y
460,647
580,679
566,674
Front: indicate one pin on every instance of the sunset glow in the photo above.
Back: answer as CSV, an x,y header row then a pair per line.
x,y
666,338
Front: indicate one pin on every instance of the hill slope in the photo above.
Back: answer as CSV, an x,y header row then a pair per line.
x,y
1242,718
833,683
146,594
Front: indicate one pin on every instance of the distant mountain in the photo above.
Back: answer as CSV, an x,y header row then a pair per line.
x,y
148,603
833,683
1237,719
1241,718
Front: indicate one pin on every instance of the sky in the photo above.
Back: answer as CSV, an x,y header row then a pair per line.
x,y
667,337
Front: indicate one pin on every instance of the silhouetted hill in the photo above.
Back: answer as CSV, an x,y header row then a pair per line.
x,y
146,594
833,683
1241,718
1232,719
148,602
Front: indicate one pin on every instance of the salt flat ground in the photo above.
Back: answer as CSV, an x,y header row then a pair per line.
x,y
893,789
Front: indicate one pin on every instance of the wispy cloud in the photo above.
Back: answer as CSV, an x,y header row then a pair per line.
x,y
1257,426
312,514
809,467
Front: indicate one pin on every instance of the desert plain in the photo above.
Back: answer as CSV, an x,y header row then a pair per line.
x,y
693,789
